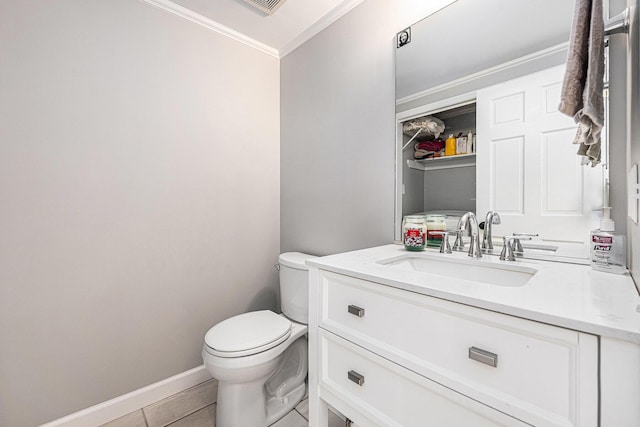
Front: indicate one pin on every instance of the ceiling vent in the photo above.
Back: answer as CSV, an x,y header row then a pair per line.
x,y
267,6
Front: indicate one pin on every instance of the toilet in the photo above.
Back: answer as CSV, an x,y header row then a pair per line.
x,y
260,358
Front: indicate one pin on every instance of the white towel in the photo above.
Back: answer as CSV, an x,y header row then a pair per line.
x,y
582,87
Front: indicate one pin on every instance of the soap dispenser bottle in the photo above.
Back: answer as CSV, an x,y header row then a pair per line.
x,y
608,249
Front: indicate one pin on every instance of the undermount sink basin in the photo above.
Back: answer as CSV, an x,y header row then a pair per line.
x,y
462,269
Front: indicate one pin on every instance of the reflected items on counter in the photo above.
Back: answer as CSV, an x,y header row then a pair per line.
x,y
414,232
435,224
417,228
451,217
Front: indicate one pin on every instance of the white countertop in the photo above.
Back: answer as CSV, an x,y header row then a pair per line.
x,y
567,295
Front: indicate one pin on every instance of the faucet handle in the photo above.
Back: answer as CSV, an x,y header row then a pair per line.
x,y
517,237
445,247
507,249
510,247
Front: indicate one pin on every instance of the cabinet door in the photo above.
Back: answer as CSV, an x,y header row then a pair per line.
x,y
527,168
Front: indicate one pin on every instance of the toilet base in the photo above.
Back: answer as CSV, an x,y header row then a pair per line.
x,y
279,407
259,395
240,405
252,399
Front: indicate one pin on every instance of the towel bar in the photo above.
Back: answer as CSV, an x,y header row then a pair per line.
x,y
617,24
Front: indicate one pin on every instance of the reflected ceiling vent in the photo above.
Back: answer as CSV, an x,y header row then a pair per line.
x,y
266,6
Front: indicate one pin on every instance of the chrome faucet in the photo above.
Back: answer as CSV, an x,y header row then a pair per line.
x,y
491,218
469,223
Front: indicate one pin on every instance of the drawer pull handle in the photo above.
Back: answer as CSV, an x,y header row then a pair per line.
x,y
356,377
483,356
356,311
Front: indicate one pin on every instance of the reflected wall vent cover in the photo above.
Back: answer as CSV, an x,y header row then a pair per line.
x,y
266,6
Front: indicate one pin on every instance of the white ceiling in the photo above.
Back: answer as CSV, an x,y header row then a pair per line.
x,y
293,23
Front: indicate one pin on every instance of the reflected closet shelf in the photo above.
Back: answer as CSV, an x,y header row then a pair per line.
x,y
448,162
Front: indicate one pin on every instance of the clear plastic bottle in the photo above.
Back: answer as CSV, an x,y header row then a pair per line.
x,y
608,249
461,145
470,142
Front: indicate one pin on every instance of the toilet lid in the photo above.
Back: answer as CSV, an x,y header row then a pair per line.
x,y
247,333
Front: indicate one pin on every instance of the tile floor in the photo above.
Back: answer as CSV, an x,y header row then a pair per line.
x,y
196,407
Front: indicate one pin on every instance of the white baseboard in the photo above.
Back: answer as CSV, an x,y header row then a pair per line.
x,y
137,399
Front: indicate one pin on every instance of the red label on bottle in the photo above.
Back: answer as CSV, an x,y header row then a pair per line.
x,y
607,240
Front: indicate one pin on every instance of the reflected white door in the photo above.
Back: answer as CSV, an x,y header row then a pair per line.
x,y
527,168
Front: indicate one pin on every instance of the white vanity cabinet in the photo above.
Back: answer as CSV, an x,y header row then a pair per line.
x,y
386,357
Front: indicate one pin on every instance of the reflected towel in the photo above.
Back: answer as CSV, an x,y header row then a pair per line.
x,y
582,88
434,146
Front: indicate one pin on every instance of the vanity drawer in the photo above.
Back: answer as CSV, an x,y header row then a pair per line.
x,y
384,394
537,366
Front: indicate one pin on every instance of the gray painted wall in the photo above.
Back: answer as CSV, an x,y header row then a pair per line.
x,y
618,131
337,135
450,189
139,165
338,130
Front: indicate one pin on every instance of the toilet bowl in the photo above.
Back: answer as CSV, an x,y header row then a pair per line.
x,y
260,358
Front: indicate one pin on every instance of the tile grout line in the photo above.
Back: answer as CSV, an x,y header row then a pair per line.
x,y
188,415
144,417
185,393
299,413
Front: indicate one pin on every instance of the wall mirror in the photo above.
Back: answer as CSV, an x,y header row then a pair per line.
x,y
491,72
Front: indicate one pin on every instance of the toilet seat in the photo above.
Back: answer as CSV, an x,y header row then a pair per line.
x,y
247,334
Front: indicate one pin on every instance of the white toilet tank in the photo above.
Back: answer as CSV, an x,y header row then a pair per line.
x,y
294,286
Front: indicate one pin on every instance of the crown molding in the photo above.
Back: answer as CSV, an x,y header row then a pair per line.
x,y
189,15
487,72
322,23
